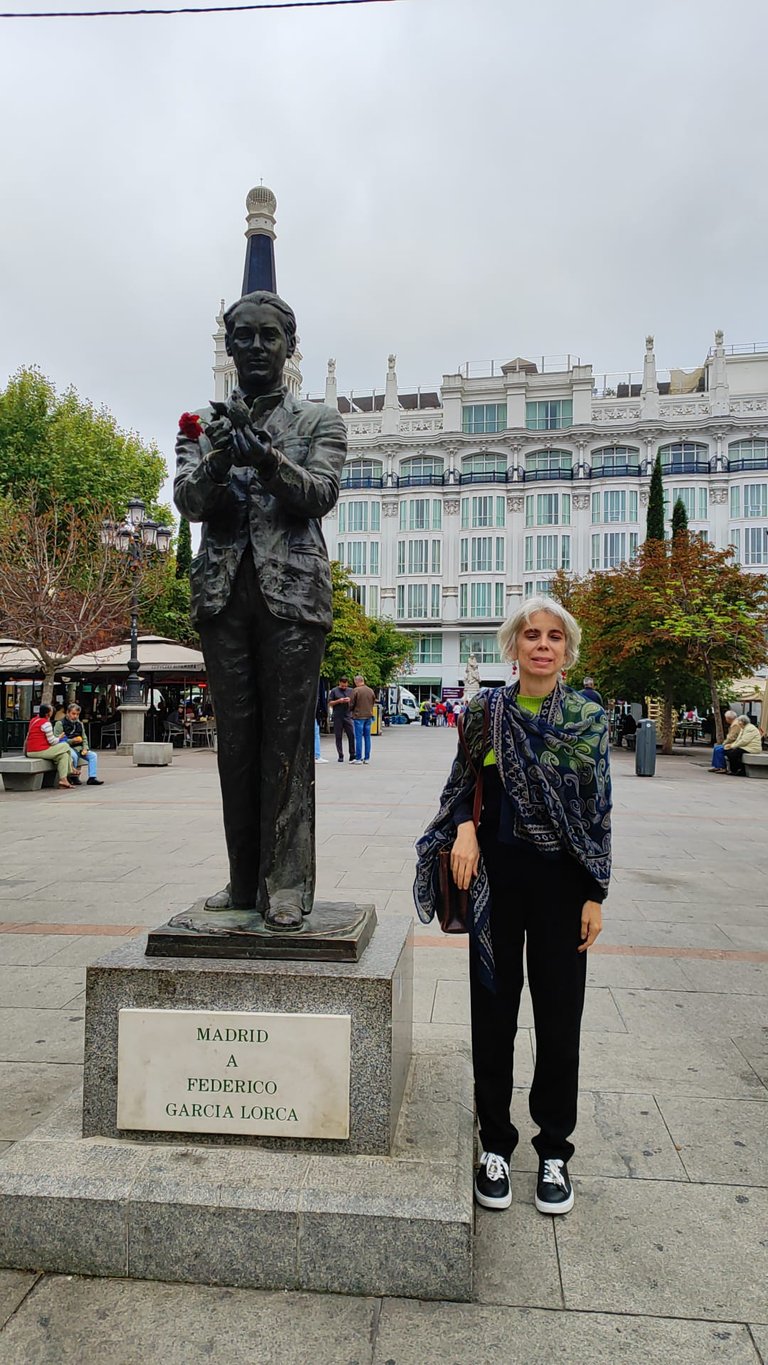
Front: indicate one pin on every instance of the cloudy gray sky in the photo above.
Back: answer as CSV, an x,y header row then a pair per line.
x,y
456,180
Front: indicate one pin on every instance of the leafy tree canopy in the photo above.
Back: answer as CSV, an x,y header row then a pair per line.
x,y
72,453
358,643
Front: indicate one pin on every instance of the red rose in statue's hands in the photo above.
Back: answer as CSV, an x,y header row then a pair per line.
x,y
190,426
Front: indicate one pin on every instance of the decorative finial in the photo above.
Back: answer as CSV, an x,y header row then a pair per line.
x,y
391,362
331,368
719,337
649,343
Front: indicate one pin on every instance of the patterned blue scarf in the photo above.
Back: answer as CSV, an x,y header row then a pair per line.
x,y
555,775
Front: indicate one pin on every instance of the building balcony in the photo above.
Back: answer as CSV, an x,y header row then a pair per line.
x,y
420,480
485,476
738,466
692,466
617,471
361,481
539,475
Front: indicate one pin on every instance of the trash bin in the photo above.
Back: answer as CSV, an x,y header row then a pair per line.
x,y
376,721
645,750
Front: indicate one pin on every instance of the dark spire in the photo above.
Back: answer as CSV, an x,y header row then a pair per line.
x,y
259,270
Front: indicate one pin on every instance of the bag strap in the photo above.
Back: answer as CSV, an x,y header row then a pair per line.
x,y
478,801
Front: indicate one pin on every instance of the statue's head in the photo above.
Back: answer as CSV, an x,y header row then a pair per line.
x,y
260,335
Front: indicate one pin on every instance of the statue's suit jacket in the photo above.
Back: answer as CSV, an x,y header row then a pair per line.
x,y
278,517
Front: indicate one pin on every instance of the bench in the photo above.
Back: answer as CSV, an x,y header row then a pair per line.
x,y
756,765
26,774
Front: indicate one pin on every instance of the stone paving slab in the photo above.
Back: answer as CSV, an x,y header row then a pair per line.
x,y
31,1091
488,1335
724,1141
618,1135
637,1246
14,1286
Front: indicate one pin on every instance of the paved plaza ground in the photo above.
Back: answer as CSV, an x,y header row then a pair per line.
x,y
665,1255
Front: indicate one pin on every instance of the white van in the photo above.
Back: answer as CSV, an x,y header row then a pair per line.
x,y
401,702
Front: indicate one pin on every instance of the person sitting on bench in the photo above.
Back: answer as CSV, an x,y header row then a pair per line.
x,y
41,743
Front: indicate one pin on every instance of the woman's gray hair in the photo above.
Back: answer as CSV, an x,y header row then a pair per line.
x,y
511,628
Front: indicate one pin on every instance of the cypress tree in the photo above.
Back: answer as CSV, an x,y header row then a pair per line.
x,y
654,526
183,549
679,518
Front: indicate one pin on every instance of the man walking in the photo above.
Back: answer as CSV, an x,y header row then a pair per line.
x,y
363,700
339,705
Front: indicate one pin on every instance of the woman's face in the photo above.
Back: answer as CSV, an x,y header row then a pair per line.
x,y
540,649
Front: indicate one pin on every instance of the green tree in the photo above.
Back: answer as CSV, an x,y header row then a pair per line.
x,y
62,591
183,549
71,453
681,617
165,609
654,525
679,517
358,643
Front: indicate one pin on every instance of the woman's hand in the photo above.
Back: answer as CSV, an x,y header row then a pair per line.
x,y
465,855
591,924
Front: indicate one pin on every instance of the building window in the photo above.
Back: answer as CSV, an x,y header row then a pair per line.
x,y
633,544
484,463
400,609
549,509
479,419
357,516
342,518
483,511
482,554
529,554
426,467
436,557
694,501
484,647
463,599
480,599
565,552
428,649
684,457
549,416
401,556
362,474
417,601
418,556
748,454
549,460
373,567
356,556
498,594
499,554
615,505
546,552
614,549
595,556
608,458
529,504
755,538
435,599
756,501
735,501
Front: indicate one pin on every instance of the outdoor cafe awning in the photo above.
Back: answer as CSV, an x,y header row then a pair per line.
x,y
156,655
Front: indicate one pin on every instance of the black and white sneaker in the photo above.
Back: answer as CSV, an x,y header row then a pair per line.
x,y
492,1189
554,1192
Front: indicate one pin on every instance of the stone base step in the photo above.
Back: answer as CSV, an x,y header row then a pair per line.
x,y
399,1226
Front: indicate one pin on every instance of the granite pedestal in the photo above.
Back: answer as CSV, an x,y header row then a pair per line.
x,y
376,993
149,754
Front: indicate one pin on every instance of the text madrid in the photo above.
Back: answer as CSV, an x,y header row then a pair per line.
x,y
223,1111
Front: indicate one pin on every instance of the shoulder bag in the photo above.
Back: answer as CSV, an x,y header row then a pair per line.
x,y
453,904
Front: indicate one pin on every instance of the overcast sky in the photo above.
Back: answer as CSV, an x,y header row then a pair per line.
x,y
456,180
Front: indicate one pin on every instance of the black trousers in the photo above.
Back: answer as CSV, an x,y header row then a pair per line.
x,y
264,674
536,902
341,727
735,760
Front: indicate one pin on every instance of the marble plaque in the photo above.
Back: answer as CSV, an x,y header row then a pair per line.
x,y
216,1071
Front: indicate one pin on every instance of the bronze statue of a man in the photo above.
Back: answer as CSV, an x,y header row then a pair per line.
x,y
259,478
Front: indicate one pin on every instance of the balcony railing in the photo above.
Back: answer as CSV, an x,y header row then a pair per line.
x,y
616,471
738,465
420,480
538,475
485,476
361,481
686,466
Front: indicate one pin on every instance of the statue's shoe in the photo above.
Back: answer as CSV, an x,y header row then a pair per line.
x,y
283,917
222,900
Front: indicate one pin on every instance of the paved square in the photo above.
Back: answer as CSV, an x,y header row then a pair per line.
x,y
665,1256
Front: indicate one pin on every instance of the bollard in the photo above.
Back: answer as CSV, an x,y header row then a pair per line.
x,y
645,749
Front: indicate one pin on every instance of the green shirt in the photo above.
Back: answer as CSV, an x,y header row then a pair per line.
x,y
531,704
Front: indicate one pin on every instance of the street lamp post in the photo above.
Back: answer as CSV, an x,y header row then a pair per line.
x,y
139,537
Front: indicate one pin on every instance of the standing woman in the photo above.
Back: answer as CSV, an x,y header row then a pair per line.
x,y
537,871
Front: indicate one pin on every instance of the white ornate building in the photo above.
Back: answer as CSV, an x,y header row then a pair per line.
x,y
457,503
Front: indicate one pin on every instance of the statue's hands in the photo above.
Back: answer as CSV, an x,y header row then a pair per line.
x,y
220,433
